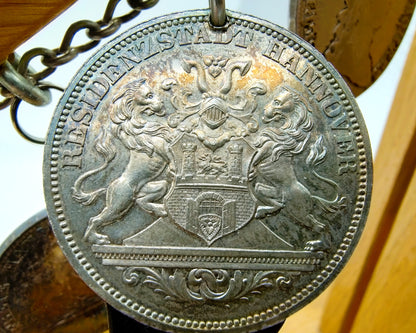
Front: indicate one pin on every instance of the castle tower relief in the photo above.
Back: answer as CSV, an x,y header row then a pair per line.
x,y
188,166
235,165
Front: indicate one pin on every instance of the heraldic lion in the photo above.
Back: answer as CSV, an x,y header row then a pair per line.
x,y
131,114
275,183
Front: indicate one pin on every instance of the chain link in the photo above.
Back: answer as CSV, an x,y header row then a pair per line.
x,y
95,31
16,75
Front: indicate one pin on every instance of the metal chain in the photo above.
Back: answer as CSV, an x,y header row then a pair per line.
x,y
18,81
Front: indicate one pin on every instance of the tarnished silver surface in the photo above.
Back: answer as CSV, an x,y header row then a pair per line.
x,y
39,290
203,179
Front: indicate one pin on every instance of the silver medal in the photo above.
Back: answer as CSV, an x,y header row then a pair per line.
x,y
203,178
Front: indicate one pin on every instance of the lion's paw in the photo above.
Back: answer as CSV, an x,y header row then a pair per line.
x,y
161,213
97,238
159,210
315,245
264,211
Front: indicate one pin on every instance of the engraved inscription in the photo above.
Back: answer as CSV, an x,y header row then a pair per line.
x,y
331,106
73,145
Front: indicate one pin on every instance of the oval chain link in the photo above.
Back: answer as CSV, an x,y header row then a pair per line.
x,y
52,58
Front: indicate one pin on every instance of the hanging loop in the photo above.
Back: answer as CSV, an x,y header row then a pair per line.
x,y
14,107
218,16
21,86
21,82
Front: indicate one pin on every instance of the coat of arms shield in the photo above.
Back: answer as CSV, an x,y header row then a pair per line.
x,y
210,197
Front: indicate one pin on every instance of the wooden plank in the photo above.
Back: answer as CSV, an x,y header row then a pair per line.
x,y
390,299
393,170
21,19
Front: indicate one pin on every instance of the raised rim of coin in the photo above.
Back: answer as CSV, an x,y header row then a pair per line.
x,y
19,231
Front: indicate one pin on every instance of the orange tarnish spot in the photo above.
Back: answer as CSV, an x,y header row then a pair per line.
x,y
261,71
185,79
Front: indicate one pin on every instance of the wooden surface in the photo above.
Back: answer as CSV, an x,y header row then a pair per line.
x,y
21,19
389,302
393,170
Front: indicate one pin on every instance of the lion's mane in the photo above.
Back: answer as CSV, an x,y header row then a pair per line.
x,y
292,136
129,126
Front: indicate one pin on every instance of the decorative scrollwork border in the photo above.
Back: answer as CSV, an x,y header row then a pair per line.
x,y
201,285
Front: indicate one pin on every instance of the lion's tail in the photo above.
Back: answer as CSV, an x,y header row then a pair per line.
x,y
317,156
105,148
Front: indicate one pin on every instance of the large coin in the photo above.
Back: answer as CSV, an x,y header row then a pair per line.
x,y
201,179
358,37
39,290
